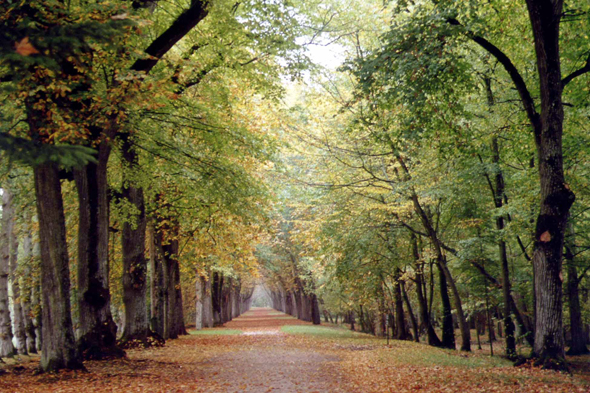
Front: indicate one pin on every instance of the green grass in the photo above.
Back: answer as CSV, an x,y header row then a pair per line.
x,y
209,332
406,352
401,352
321,331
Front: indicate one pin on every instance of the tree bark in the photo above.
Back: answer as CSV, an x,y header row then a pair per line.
x,y
176,319
134,261
28,282
6,347
401,332
58,346
17,302
422,301
97,329
315,310
578,345
200,290
158,284
506,285
207,304
216,290
411,313
556,197
36,307
448,328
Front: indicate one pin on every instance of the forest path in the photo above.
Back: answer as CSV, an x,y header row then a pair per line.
x,y
270,360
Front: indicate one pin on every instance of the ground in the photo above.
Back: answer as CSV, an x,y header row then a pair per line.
x,y
267,351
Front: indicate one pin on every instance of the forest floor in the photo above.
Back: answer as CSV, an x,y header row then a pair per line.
x,y
268,351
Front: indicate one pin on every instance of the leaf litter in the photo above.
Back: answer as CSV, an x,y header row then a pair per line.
x,y
266,358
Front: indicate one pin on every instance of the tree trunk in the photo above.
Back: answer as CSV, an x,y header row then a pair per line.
x,y
158,284
28,280
578,346
17,302
58,346
556,197
411,313
97,330
315,310
200,290
506,285
441,261
400,321
207,304
422,301
448,328
36,307
216,289
176,319
288,303
225,302
6,347
134,261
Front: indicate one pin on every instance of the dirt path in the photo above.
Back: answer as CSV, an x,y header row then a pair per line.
x,y
268,363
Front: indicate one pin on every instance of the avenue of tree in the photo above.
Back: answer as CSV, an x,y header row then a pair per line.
x,y
161,159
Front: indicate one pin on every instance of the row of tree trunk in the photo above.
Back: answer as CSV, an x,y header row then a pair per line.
x,y
96,333
219,300
297,302
26,316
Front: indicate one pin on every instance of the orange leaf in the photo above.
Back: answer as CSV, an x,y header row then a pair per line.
x,y
25,48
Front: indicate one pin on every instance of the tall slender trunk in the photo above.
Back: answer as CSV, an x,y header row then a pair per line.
x,y
509,329
18,300
58,346
6,346
36,306
207,304
28,282
134,261
578,346
97,329
413,321
157,290
448,328
422,301
401,332
200,291
441,260
176,316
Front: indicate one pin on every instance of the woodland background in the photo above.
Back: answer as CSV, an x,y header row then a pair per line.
x,y
161,159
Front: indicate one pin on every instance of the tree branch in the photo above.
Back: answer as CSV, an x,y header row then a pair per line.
x,y
179,28
577,73
525,95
